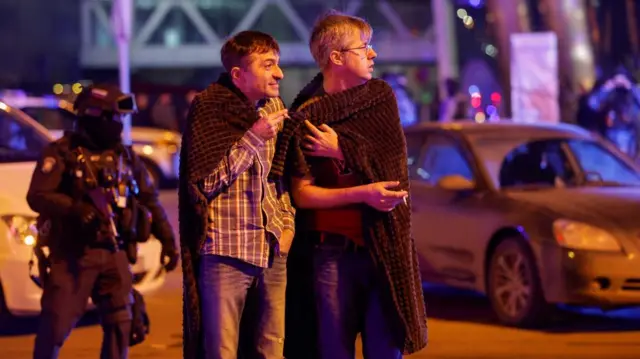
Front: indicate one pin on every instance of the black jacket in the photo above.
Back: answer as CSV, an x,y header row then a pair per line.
x,y
56,187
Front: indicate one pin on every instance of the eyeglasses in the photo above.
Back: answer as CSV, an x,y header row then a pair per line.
x,y
366,47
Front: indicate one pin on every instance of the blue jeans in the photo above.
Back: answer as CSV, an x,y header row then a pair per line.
x,y
242,308
348,302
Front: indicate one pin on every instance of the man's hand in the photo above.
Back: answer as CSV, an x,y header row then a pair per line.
x,y
169,256
85,212
267,126
286,239
322,143
379,196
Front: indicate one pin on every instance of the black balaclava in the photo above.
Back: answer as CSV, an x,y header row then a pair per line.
x,y
105,132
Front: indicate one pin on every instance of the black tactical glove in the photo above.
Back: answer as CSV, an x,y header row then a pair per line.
x,y
85,213
170,255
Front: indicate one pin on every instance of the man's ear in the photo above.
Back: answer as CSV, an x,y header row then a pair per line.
x,y
335,57
235,73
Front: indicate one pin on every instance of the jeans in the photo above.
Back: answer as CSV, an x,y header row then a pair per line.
x,y
242,308
348,302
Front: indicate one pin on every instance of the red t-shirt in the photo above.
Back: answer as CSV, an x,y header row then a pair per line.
x,y
345,220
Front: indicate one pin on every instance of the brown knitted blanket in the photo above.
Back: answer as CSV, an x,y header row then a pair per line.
x,y
373,143
219,116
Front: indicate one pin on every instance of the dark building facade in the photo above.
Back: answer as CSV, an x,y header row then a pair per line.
x,y
40,42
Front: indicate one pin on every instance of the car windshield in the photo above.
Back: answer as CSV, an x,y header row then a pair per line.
x,y
19,142
518,163
51,118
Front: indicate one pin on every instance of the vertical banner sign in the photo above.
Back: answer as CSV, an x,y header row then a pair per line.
x,y
534,77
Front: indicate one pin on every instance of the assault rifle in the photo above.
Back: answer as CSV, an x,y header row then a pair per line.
x,y
101,197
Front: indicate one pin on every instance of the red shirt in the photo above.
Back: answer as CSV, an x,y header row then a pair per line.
x,y
345,220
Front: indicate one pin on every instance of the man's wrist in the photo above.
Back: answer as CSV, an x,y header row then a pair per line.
x,y
252,140
356,194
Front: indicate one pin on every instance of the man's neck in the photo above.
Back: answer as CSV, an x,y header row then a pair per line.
x,y
251,98
334,83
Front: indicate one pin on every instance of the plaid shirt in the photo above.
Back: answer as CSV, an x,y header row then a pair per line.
x,y
244,205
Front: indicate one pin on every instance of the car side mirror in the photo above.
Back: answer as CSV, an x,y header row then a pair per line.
x,y
456,183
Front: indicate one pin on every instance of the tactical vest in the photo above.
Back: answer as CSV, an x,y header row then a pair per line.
x,y
104,179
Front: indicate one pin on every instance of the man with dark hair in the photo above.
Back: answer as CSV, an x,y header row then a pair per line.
x,y
236,225
350,184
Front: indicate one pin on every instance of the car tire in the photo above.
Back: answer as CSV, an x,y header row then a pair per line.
x,y
154,173
513,285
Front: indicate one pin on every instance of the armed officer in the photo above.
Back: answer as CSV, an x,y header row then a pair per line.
x,y
95,200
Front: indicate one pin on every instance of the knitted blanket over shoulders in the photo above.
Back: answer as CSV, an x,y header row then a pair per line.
x,y
218,117
367,122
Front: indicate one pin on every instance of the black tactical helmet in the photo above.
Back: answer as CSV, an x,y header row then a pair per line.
x,y
98,100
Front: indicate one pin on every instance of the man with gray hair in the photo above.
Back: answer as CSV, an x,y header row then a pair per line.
x,y
354,260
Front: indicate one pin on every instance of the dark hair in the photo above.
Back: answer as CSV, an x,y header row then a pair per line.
x,y
238,47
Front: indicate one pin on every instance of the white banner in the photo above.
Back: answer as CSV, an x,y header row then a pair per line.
x,y
534,77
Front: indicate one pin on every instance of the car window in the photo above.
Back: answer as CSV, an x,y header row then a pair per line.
x,y
442,157
597,160
538,163
19,141
51,118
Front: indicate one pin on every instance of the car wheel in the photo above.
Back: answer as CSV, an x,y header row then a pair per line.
x,y
154,174
514,287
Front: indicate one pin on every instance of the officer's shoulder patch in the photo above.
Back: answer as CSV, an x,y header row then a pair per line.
x,y
47,164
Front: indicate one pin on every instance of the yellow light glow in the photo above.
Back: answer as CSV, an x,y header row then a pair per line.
x,y
76,88
468,21
58,89
29,240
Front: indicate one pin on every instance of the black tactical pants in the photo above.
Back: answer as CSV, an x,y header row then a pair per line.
x,y
104,276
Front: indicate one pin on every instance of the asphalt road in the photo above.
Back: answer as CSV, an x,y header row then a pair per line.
x,y
460,326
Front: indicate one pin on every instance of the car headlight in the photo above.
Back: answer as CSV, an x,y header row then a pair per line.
x,y
577,235
170,146
22,228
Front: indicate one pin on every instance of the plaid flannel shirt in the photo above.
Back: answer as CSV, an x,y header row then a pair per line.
x,y
244,205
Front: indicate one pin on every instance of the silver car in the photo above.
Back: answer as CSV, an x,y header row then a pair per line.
x,y
531,215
